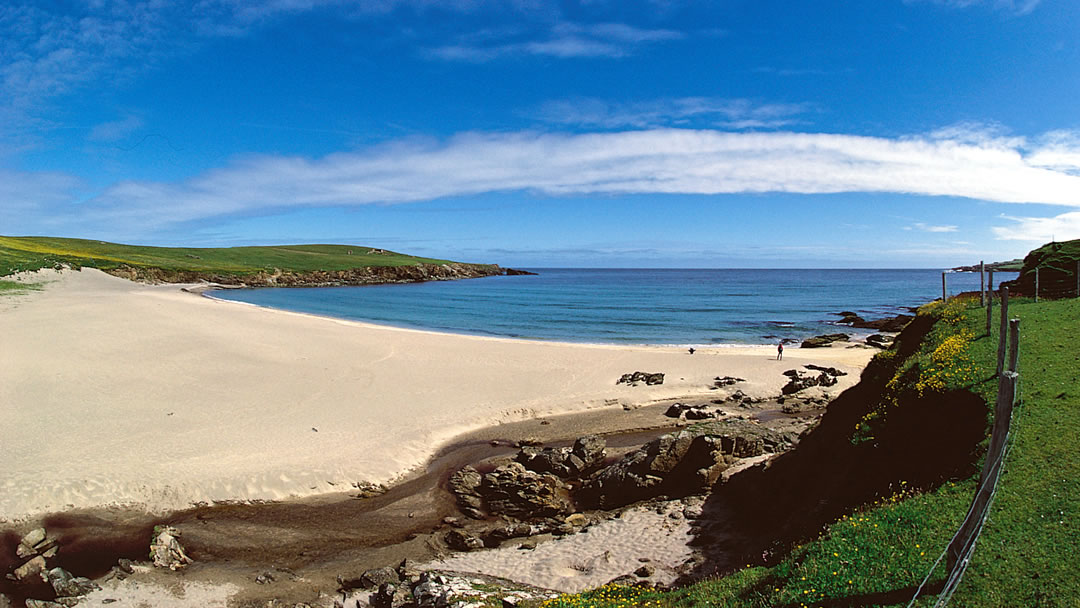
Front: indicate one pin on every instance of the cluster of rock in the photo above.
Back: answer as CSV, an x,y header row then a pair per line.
x,y
679,464
405,587
675,464
722,381
532,486
646,377
889,324
37,548
799,380
587,452
686,411
165,549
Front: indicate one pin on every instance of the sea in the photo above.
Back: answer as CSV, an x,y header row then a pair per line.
x,y
690,307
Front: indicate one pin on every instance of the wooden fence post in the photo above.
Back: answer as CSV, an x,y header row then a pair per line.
x,y
1003,335
969,531
944,295
1036,284
982,284
989,308
1014,344
990,283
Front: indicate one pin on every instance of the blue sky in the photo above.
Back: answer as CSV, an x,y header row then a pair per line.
x,y
735,133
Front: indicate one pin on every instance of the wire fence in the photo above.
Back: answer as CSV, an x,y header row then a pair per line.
x,y
961,547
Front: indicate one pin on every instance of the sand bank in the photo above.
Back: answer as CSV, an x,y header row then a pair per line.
x,y
114,392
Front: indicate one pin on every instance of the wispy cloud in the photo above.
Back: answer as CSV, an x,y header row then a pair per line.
x,y
1015,7
712,111
931,228
1062,227
30,201
563,40
664,161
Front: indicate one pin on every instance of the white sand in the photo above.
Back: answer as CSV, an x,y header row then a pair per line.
x,y
131,593
113,392
590,558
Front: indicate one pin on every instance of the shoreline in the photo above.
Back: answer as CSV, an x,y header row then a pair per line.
x,y
207,290
131,404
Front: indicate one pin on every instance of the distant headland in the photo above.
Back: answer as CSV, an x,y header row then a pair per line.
x,y
267,266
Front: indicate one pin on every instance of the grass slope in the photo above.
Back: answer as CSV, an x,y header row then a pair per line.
x,y
33,253
1058,264
879,553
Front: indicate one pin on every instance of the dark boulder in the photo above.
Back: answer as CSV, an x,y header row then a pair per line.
x,y
832,371
514,491
824,340
879,341
891,324
646,377
586,453
463,541
377,577
465,485
849,318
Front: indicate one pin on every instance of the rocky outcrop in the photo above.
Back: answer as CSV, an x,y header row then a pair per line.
x,y
510,490
366,275
585,454
646,377
889,324
65,585
689,412
879,341
165,549
824,340
514,491
800,380
465,484
678,464
722,381
35,549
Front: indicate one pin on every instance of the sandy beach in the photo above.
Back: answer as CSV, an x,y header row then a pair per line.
x,y
118,393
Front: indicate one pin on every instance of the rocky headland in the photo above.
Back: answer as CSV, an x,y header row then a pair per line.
x,y
367,275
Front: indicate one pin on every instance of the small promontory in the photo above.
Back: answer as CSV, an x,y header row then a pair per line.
x,y
269,266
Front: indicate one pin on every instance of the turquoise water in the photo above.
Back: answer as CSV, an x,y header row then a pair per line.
x,y
627,306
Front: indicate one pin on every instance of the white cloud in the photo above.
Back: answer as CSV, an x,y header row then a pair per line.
x,y
1064,227
1059,150
715,111
565,40
670,161
931,228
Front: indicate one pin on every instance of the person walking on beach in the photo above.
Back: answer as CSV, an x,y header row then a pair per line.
x,y
780,351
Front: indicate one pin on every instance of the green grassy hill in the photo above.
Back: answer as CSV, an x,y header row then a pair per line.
x,y
32,253
1058,266
285,265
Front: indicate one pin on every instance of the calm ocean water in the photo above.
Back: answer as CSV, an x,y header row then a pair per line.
x,y
625,306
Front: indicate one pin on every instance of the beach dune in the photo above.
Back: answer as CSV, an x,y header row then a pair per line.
x,y
118,393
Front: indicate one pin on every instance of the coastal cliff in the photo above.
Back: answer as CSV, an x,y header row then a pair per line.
x,y
266,266
366,275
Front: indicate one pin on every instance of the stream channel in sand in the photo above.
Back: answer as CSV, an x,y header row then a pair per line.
x,y
318,540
